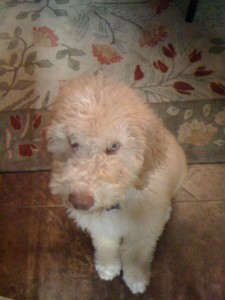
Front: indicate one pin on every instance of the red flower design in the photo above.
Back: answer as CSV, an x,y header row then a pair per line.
x,y
106,53
138,73
37,121
15,122
162,5
218,88
195,56
26,149
45,37
159,65
151,37
201,71
183,87
169,51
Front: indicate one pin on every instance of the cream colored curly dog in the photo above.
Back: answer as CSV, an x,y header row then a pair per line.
x,y
117,168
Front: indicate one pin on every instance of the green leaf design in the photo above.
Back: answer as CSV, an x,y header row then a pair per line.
x,y
4,36
28,104
13,59
60,12
22,84
45,63
18,102
17,32
13,44
73,64
35,16
62,1
22,15
218,41
4,86
11,3
45,101
29,69
31,57
61,54
76,52
216,50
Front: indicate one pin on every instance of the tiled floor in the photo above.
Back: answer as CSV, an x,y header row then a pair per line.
x,y
44,256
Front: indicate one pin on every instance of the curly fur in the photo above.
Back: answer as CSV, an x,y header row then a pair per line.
x,y
90,114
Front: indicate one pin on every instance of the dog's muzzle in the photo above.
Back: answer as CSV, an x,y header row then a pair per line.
x,y
86,201
81,201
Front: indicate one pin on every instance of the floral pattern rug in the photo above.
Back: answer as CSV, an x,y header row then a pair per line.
x,y
176,66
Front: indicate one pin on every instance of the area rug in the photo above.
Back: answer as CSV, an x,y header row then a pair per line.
x,y
179,68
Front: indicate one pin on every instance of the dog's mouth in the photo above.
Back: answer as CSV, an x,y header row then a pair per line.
x,y
114,206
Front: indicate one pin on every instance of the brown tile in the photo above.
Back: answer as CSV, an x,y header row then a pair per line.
x,y
45,256
206,182
26,189
13,257
41,249
189,261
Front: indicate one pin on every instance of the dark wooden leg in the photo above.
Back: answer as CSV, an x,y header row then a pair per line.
x,y
191,10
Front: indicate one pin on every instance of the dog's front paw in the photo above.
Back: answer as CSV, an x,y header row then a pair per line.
x,y
136,281
108,271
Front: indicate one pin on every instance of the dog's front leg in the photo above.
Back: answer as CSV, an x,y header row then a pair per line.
x,y
107,257
136,256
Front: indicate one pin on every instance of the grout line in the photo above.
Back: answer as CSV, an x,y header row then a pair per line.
x,y
189,193
199,201
63,206
40,206
32,206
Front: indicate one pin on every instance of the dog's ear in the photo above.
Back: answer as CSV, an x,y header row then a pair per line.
x,y
57,142
154,151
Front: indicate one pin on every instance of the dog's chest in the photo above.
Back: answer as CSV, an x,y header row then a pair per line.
x,y
109,223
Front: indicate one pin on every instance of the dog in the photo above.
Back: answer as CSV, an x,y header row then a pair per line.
x,y
116,168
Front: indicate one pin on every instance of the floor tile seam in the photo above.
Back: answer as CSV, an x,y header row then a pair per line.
x,y
31,206
199,201
189,193
62,206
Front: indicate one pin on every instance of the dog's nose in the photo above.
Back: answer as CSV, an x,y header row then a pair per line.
x,y
81,201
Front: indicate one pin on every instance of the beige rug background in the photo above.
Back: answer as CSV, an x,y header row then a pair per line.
x,y
176,66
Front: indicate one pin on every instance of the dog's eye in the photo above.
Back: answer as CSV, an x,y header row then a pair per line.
x,y
114,147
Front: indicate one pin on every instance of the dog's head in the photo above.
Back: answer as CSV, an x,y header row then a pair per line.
x,y
104,140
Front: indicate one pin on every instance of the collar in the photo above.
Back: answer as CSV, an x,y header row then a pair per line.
x,y
115,206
